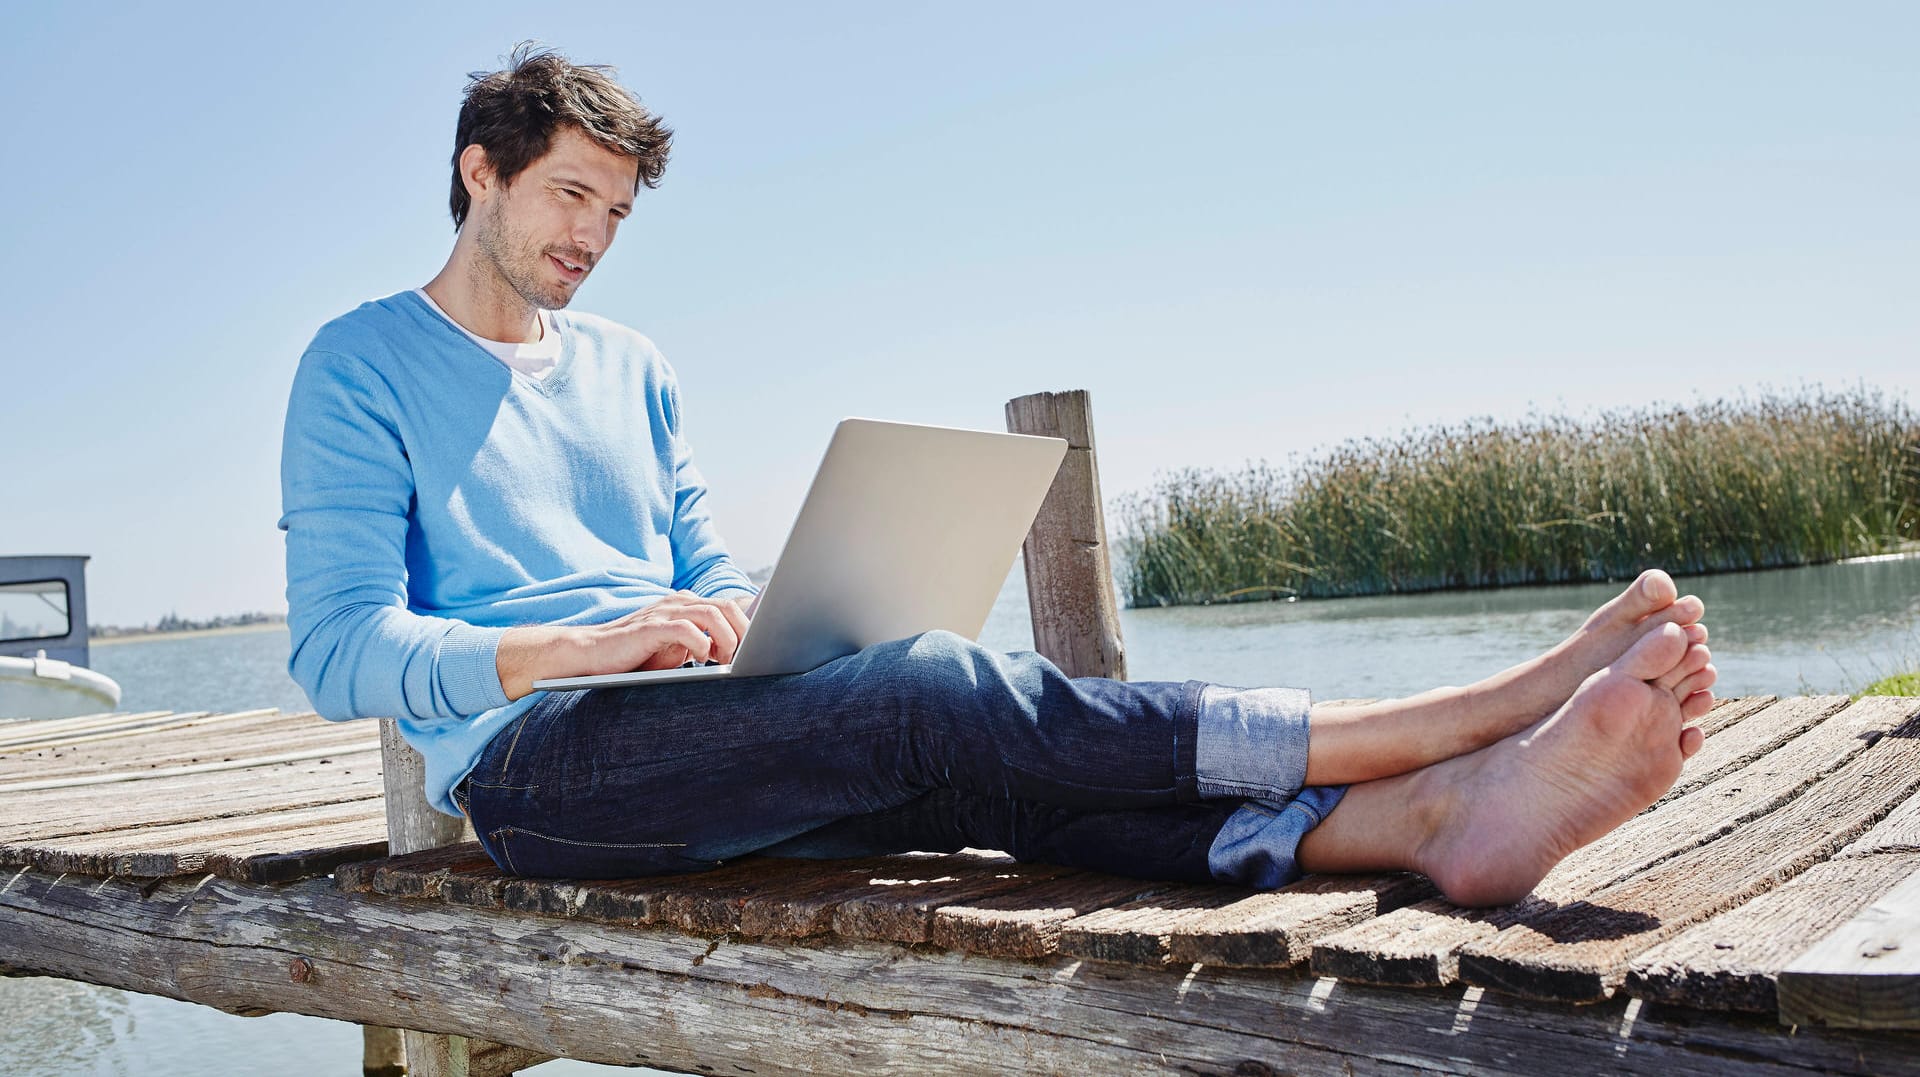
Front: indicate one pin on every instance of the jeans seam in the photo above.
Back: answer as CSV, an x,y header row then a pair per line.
x,y
1214,787
1186,737
508,830
518,728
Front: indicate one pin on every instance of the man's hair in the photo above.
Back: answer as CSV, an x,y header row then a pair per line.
x,y
512,114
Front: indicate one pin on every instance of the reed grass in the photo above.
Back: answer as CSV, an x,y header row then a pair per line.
x,y
1713,487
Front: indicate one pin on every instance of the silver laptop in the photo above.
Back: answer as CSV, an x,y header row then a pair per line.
x,y
906,529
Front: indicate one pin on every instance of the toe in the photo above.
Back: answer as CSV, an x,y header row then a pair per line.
x,y
1690,741
1692,662
1652,592
1696,706
1698,681
1656,653
1656,588
1681,611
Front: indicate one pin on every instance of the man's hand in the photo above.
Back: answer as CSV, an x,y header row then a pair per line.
x,y
679,628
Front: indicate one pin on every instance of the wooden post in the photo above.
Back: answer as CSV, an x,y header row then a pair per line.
x,y
1076,614
413,825
381,1053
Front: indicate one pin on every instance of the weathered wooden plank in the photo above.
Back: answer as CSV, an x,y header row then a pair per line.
x,y
1281,928
1732,709
1139,932
138,756
49,815
1026,923
658,998
195,725
287,865
266,827
197,731
1866,972
179,747
756,896
1076,615
904,911
898,895
759,896
1418,946
1899,832
128,778
1760,733
318,837
1580,952
18,736
1234,928
712,902
805,904
18,730
1730,962
422,874
478,887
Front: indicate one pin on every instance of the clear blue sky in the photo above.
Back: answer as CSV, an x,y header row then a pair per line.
x,y
1250,231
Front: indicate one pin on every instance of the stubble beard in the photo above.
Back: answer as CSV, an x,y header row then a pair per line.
x,y
518,261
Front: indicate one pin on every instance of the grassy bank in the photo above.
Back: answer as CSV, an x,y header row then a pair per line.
x,y
1900,684
1782,480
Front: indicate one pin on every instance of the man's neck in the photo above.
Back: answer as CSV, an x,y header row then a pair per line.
x,y
472,294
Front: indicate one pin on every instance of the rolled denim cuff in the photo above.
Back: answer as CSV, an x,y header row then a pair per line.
x,y
1252,742
1259,846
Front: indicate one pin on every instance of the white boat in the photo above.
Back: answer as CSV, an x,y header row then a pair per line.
x,y
43,641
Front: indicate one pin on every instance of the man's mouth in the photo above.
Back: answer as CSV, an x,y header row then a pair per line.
x,y
572,271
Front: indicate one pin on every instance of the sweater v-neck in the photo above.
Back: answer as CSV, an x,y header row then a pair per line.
x,y
547,386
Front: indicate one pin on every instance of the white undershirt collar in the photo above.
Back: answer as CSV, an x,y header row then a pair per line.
x,y
535,360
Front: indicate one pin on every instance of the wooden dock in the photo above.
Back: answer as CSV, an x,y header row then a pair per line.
x,y
1764,917
237,861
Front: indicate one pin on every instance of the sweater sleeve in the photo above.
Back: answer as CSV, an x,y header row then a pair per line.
x,y
700,560
346,489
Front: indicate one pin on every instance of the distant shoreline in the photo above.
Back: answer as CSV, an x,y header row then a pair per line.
x,y
185,633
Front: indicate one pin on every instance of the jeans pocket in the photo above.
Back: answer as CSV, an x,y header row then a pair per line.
x,y
518,741
547,856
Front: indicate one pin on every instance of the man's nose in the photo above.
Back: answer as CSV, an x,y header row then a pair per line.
x,y
590,233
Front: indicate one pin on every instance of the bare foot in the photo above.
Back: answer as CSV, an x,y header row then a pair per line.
x,y
1536,688
1378,740
1505,815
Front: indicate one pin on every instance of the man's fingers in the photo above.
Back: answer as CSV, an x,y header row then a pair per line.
x,y
707,613
675,643
736,612
711,616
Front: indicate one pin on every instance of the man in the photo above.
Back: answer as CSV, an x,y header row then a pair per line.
x,y
482,489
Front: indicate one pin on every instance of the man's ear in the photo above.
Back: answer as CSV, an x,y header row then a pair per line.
x,y
476,171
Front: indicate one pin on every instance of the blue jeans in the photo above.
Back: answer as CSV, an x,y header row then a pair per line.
x,y
931,743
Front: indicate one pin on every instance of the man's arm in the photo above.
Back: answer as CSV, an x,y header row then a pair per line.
x,y
346,486
682,627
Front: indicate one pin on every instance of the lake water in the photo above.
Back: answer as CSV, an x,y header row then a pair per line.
x,y
1832,628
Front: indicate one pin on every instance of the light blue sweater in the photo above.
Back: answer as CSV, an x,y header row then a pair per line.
x,y
433,498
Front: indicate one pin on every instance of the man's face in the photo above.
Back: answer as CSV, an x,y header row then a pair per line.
x,y
545,232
